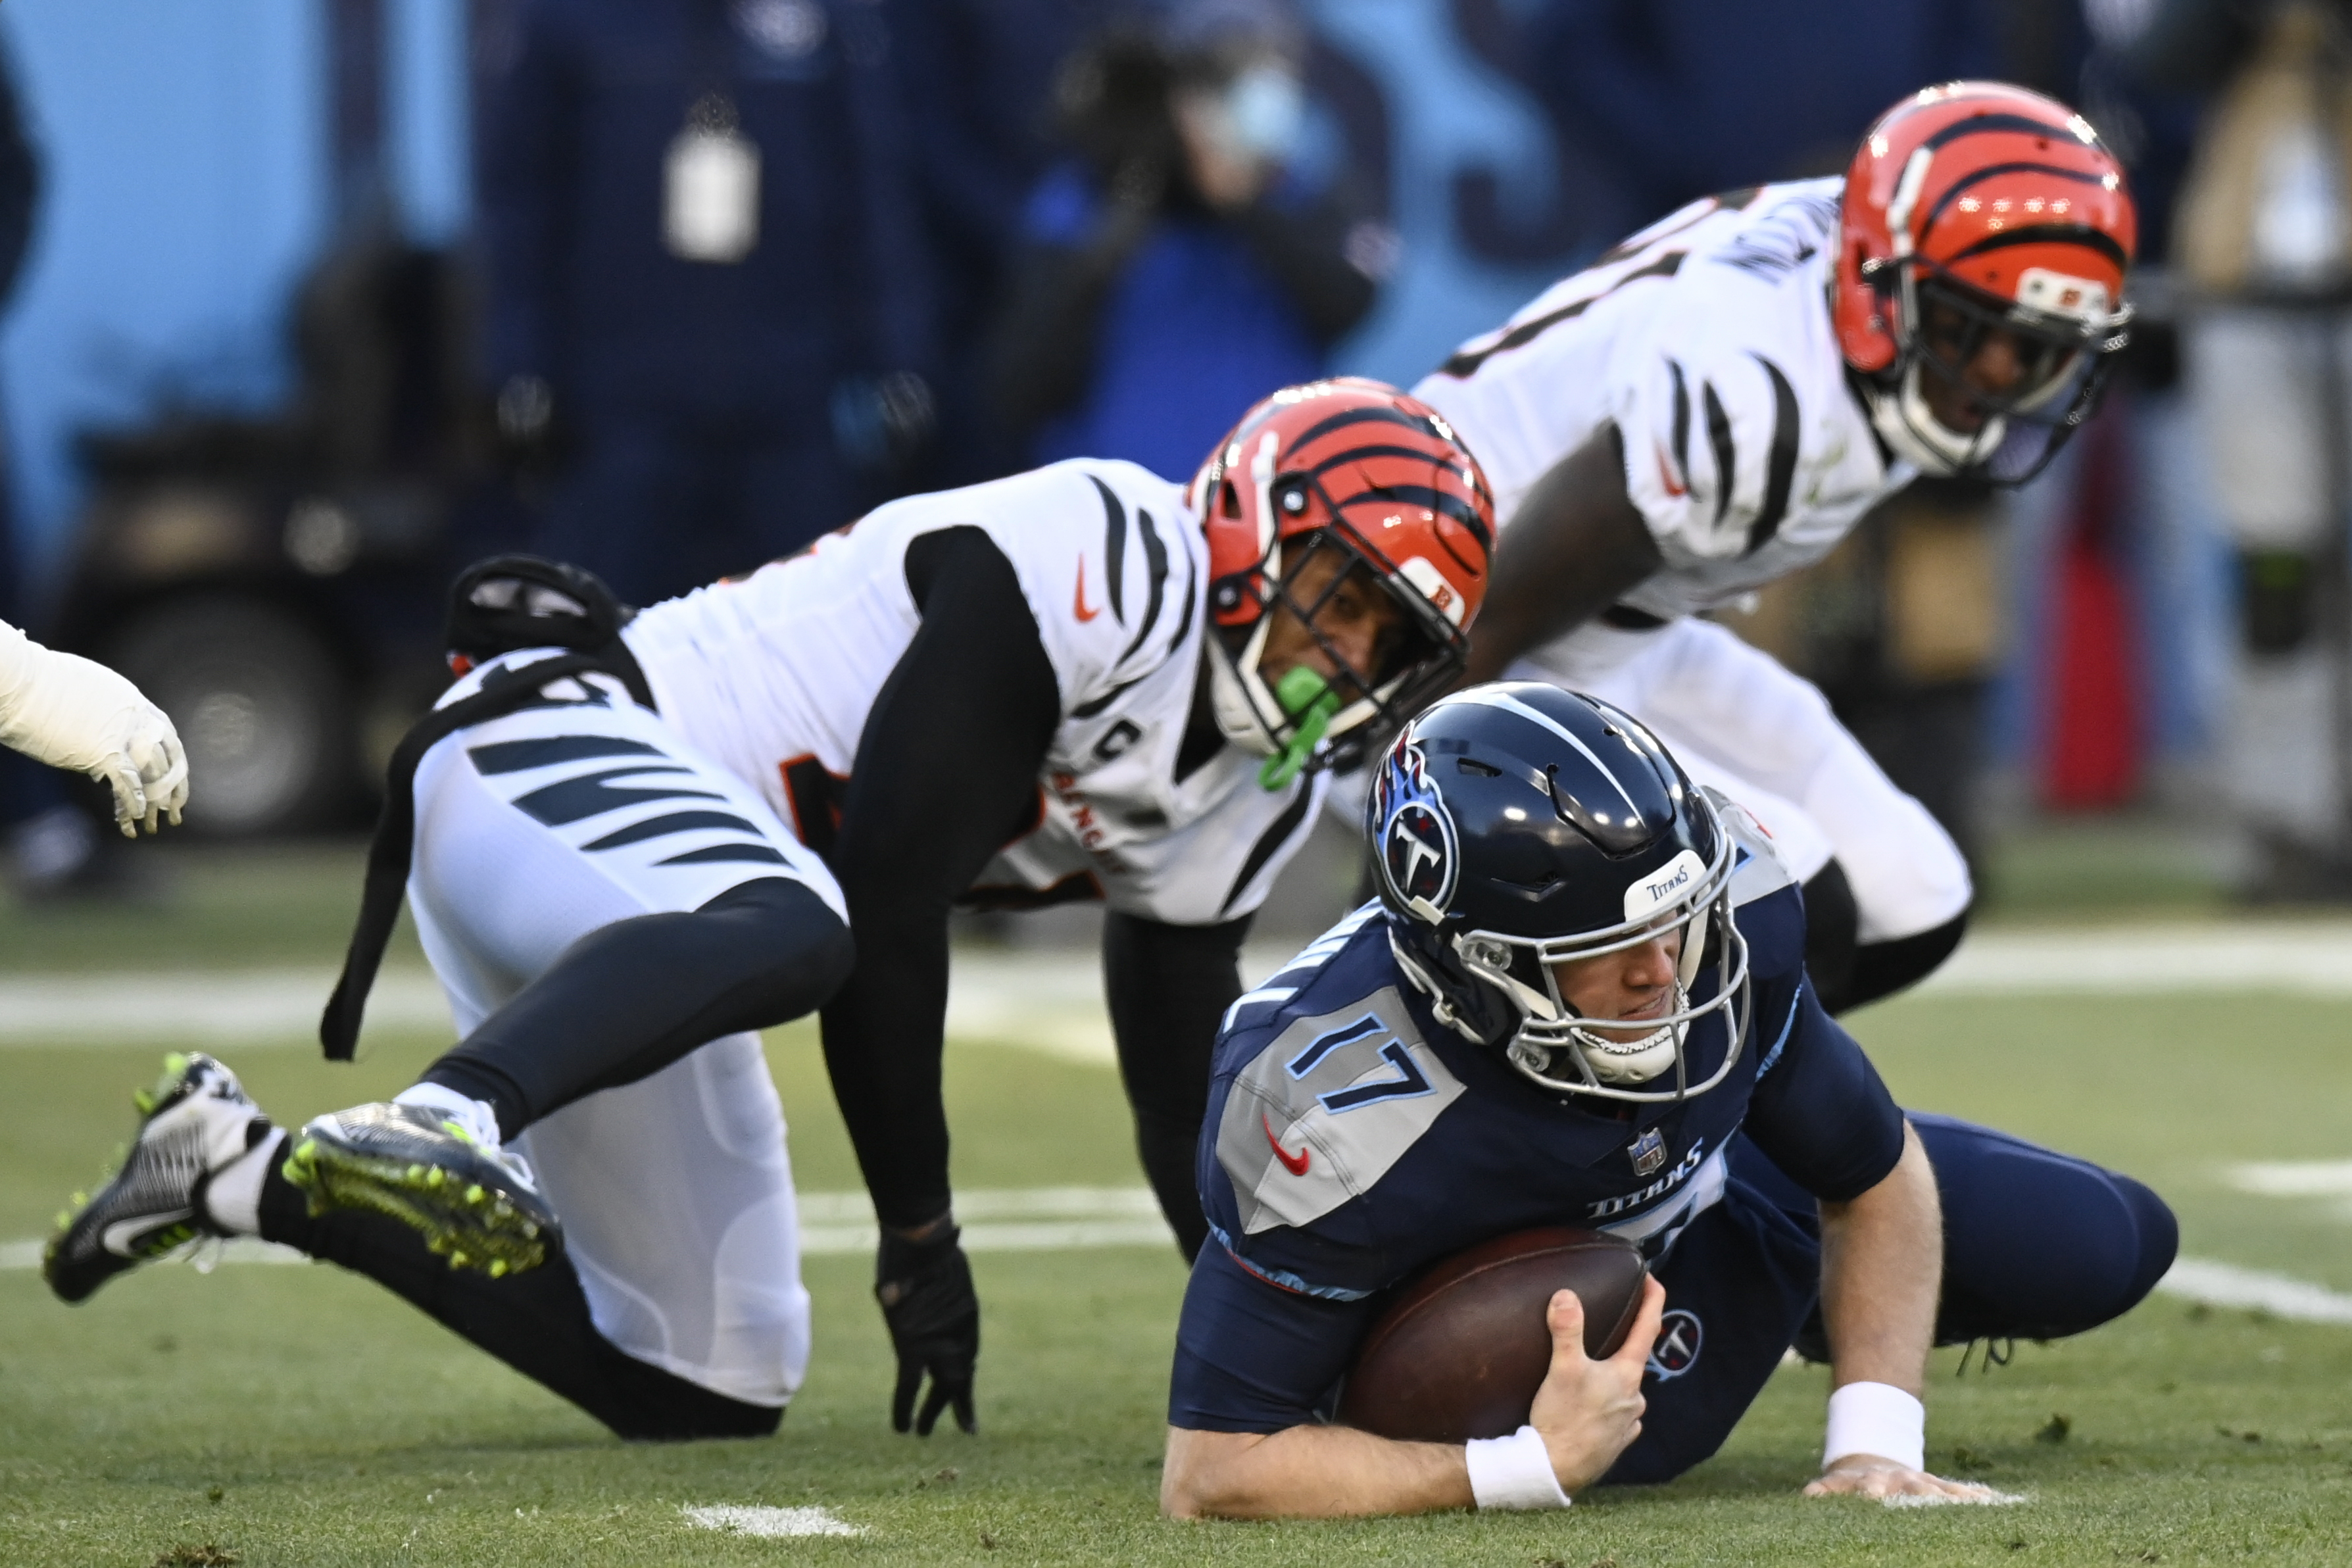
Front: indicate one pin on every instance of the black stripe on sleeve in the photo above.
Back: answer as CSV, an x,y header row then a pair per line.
x,y
1726,456
1780,469
1682,421
1114,549
663,827
1089,709
575,800
1466,364
521,756
1184,616
1268,843
718,854
1155,558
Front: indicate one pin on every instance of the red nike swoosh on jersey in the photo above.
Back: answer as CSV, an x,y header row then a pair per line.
x,y
1666,474
1293,1163
1078,599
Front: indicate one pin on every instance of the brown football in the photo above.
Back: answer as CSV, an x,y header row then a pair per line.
x,y
1463,1349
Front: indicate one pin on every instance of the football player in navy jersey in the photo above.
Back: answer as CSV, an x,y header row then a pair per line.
x,y
1581,1000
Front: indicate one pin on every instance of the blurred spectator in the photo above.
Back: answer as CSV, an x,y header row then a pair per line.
x,y
1185,261
2115,692
981,77
711,291
53,846
1685,98
2263,242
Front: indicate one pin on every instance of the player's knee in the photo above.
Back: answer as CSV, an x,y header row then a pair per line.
x,y
666,1409
2158,1233
826,955
2117,1247
804,951
2037,1244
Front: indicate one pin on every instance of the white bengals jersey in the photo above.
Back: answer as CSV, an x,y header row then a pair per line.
x,y
1706,340
773,674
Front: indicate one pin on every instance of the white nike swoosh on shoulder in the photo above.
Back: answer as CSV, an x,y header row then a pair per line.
x,y
123,1233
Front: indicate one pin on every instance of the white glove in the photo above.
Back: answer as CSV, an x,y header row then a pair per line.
x,y
63,710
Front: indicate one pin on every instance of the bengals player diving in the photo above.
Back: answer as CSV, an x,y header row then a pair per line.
x,y
1718,400
637,841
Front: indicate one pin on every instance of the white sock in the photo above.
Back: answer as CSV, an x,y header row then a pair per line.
x,y
475,1115
233,1197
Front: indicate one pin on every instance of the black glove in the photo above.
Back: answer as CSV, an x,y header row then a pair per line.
x,y
925,1289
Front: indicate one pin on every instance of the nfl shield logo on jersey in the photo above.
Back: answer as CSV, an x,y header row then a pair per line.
x,y
1648,1153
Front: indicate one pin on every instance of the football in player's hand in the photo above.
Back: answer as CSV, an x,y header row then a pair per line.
x,y
1463,1347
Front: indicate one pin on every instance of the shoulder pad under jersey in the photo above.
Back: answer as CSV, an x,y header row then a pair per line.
x,y
1761,869
1325,1109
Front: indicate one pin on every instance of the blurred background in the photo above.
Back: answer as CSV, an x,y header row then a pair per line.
x,y
312,301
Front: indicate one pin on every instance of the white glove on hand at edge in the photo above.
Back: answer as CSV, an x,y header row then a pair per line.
x,y
65,710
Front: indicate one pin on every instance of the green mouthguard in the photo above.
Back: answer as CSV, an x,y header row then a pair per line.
x,y
1308,700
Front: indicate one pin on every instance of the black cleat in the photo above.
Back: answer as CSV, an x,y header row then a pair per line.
x,y
195,1121
473,1202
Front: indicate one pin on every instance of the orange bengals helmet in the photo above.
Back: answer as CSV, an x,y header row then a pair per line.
x,y
1356,467
1972,209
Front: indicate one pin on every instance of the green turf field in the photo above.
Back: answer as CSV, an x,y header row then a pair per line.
x,y
293,1415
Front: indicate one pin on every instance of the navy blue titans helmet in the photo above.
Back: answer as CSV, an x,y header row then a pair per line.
x,y
1516,825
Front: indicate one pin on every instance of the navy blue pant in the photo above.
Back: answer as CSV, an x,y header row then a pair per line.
x,y
658,510
2036,1246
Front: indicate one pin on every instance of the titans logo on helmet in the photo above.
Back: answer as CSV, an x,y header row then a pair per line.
x,y
1419,856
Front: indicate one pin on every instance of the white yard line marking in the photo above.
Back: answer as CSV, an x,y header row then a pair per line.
x,y
257,1007
994,1220
2227,1285
819,1241
1050,1001
741,1519
17,1255
2294,1178
2311,959
997,1203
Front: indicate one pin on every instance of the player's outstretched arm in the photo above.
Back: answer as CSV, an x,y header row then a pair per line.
x,y
66,711
1882,1273
1587,1412
946,772
1575,546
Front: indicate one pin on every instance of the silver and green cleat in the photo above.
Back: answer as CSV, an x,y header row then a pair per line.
x,y
474,1204
195,1121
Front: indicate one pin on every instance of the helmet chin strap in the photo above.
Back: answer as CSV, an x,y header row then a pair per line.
x,y
1904,421
1637,1060
1302,698
1246,711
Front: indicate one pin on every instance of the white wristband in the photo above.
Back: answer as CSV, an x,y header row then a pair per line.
x,y
1514,1472
1876,1419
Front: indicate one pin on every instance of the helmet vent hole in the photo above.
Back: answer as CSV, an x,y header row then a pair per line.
x,y
1474,766
1229,499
